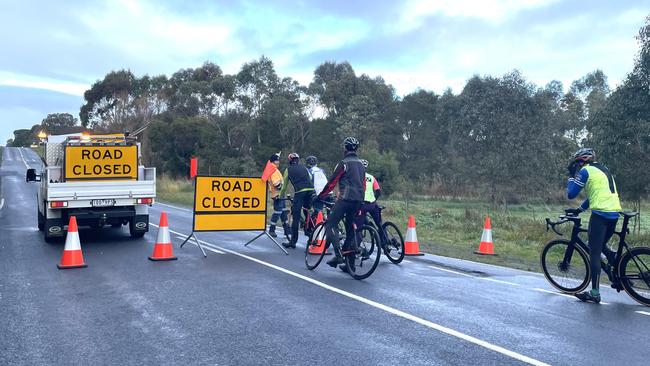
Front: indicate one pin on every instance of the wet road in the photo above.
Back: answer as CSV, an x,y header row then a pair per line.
x,y
254,305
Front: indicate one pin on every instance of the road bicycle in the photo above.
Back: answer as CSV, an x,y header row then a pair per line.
x,y
391,237
566,262
361,259
308,221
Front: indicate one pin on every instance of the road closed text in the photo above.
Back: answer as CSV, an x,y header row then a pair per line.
x,y
222,197
229,203
101,162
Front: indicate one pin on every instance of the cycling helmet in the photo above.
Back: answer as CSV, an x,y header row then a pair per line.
x,y
585,154
351,144
292,157
311,160
364,162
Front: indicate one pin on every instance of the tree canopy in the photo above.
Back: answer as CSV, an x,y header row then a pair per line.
x,y
501,138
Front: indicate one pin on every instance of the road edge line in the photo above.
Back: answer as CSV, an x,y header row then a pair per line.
x,y
432,255
178,208
20,150
388,309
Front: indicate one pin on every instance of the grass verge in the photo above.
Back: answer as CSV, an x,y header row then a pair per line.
x,y
40,150
454,229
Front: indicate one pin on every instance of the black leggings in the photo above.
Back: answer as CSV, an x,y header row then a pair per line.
x,y
600,231
300,200
341,209
373,209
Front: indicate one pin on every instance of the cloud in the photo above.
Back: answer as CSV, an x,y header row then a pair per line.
x,y
159,39
24,107
493,11
29,81
417,43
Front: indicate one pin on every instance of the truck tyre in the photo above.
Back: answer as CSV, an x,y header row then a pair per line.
x,y
53,229
138,226
41,220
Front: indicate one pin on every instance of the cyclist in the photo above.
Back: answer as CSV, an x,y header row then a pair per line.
x,y
372,193
303,189
349,174
280,210
319,178
602,198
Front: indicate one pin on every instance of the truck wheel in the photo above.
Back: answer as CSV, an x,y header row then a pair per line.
x,y
138,226
53,229
41,220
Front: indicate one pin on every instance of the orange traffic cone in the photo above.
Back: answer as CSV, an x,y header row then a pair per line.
x,y
163,249
486,247
411,245
318,245
72,256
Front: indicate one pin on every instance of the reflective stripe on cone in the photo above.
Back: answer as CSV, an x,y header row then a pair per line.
x,y
163,249
411,244
72,256
486,247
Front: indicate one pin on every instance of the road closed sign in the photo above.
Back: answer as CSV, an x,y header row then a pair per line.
x,y
229,203
101,162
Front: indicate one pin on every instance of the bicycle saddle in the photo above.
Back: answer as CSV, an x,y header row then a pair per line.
x,y
629,214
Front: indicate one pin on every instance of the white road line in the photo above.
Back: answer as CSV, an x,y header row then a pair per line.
x,y
211,249
386,308
454,272
20,150
178,208
476,277
2,203
643,312
485,264
180,237
564,295
498,281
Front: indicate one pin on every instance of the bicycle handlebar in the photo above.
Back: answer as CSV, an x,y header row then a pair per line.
x,y
552,224
570,214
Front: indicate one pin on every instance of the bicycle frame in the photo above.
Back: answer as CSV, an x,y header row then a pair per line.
x,y
576,240
308,223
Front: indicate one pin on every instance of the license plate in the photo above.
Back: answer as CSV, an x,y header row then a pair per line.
x,y
102,203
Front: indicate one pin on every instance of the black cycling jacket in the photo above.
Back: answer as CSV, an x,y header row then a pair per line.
x,y
300,177
350,175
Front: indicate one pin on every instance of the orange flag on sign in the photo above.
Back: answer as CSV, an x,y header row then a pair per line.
x,y
268,170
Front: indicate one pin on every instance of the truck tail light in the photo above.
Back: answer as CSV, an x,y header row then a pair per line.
x,y
58,204
144,201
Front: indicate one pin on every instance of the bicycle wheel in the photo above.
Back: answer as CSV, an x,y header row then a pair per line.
x,y
366,257
567,272
394,244
316,247
634,272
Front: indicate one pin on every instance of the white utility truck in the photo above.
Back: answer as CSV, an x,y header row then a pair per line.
x,y
97,178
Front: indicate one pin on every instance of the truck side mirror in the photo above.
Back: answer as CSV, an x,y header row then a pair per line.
x,y
32,176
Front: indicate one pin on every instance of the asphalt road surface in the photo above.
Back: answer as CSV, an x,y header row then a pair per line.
x,y
255,306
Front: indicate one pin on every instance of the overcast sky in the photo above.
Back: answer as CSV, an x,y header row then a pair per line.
x,y
52,51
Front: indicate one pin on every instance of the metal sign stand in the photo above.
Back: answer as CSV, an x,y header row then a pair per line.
x,y
193,235
270,237
198,244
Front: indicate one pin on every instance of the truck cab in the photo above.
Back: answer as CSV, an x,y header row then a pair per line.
x,y
97,178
